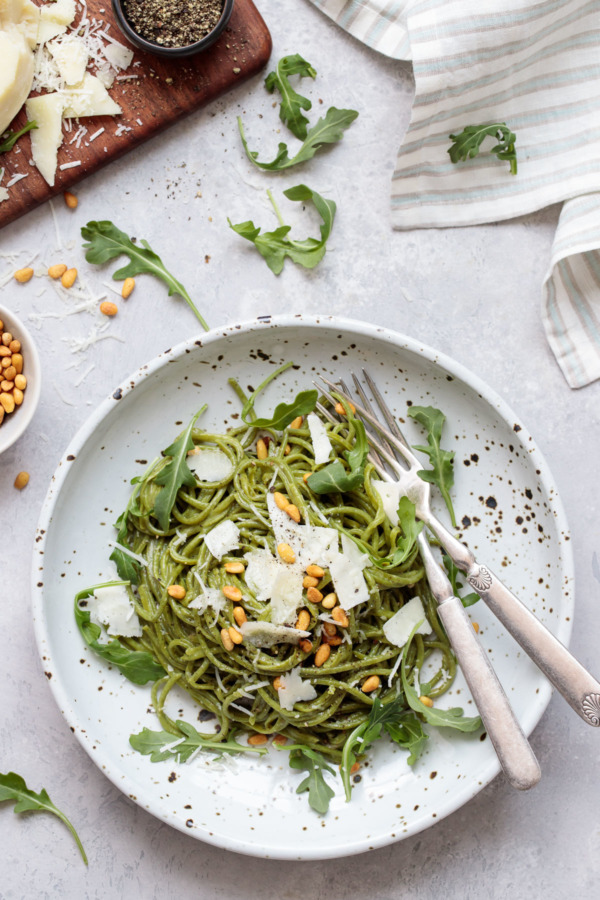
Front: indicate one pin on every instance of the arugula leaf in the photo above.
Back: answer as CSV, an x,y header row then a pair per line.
x,y
127,567
466,144
284,413
319,792
104,241
175,474
406,541
328,130
137,666
441,718
292,103
454,574
392,718
11,137
13,787
442,473
274,246
334,478
160,745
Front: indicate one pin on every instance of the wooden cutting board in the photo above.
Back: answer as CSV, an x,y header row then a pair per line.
x,y
164,92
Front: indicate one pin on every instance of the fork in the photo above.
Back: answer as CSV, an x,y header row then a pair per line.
x,y
579,688
514,753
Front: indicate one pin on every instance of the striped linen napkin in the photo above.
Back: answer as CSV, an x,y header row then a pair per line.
x,y
535,66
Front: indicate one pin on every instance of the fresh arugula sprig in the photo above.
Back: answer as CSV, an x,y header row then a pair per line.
x,y
327,130
441,718
442,473
274,246
393,719
175,474
466,145
127,567
313,762
410,529
334,477
104,241
13,787
284,413
292,103
11,137
161,745
454,574
136,665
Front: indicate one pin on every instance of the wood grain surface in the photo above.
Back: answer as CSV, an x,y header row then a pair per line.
x,y
164,92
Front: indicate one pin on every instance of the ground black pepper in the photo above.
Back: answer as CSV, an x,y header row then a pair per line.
x,y
173,23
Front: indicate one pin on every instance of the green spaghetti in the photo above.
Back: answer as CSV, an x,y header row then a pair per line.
x,y
189,640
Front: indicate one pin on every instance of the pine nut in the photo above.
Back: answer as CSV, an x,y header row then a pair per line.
x,y
234,568
333,640
239,614
315,571
306,476
313,595
24,275
68,278
57,270
7,338
17,361
261,449
8,402
14,346
322,655
341,411
280,501
297,422
10,373
354,768
21,480
329,601
309,581
286,553
287,450
5,362
426,701
226,640
235,636
340,616
20,382
371,684
4,351
128,286
277,683
303,620
476,627
18,396
176,592
280,739
293,512
1,414
329,629
257,740
6,386
108,308
305,645
232,592
71,200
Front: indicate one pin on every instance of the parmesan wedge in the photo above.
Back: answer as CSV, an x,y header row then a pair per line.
x,y
47,137
89,98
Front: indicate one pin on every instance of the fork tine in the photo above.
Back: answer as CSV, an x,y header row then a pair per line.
x,y
385,432
387,415
369,406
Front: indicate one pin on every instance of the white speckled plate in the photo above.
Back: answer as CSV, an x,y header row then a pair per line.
x,y
511,517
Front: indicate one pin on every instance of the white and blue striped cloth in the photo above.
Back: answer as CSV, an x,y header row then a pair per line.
x,y
535,66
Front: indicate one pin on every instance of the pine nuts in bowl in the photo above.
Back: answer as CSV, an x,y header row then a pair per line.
x,y
20,378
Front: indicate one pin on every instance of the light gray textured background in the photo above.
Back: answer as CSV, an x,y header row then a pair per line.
x,y
473,293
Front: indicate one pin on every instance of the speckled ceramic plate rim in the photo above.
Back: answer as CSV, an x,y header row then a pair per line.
x,y
264,325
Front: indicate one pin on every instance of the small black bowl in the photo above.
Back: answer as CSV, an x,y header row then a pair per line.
x,y
171,52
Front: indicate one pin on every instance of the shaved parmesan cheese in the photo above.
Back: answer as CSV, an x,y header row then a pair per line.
x,y
390,494
112,607
16,74
284,527
399,628
354,555
266,634
292,689
89,98
349,582
118,55
261,573
223,538
54,19
71,57
321,443
47,137
212,597
286,594
314,544
210,464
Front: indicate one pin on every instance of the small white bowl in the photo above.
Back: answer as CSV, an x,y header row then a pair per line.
x,y
15,424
